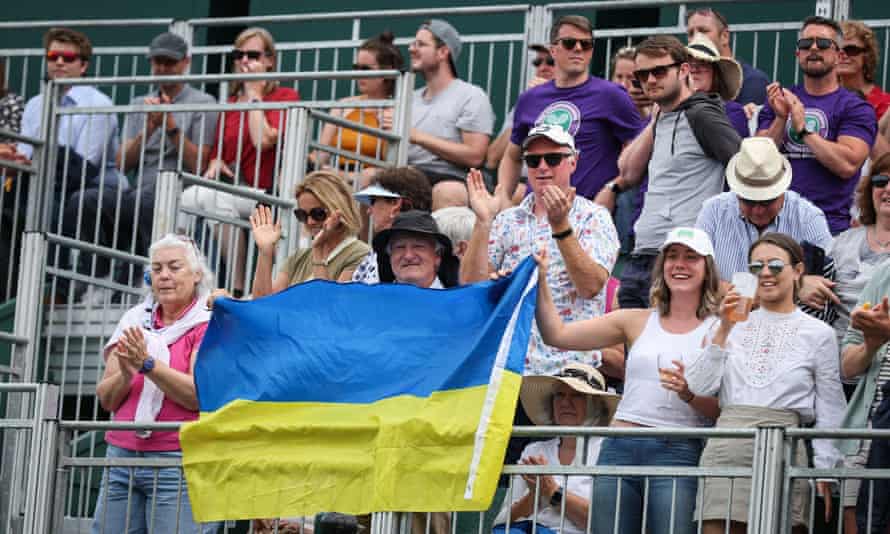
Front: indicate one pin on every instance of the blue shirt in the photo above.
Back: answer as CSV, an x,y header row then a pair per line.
x,y
754,84
93,136
732,234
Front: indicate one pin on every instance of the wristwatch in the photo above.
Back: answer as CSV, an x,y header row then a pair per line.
x,y
556,498
805,131
614,187
147,365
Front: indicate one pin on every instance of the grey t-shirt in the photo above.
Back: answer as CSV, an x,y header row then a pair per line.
x,y
461,107
196,126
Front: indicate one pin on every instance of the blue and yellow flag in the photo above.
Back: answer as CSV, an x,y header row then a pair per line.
x,y
355,399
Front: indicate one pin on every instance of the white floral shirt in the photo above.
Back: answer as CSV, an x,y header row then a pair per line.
x,y
366,272
517,233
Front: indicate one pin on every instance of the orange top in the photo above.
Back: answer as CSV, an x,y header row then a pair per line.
x,y
348,140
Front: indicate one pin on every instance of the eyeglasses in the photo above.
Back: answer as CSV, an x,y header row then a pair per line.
x,y
317,214
636,83
538,61
552,159
253,55
775,266
659,72
359,66
754,203
66,55
569,43
853,50
699,67
880,181
822,43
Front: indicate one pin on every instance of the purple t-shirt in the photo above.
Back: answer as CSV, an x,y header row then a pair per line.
x,y
599,114
832,115
735,112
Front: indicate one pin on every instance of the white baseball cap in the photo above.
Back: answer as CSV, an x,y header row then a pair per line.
x,y
693,238
550,131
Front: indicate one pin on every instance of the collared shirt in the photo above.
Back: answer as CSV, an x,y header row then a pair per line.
x,y
93,136
518,233
366,272
732,234
195,126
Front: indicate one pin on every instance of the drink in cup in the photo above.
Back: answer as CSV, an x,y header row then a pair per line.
x,y
746,286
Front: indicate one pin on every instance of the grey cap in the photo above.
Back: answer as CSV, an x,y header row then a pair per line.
x,y
168,45
448,35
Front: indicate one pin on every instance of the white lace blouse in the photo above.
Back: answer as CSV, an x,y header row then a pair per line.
x,y
782,361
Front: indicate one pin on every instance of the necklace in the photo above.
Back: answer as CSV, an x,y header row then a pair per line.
x,y
879,243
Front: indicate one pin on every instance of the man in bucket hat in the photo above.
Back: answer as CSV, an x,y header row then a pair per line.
x,y
414,251
758,202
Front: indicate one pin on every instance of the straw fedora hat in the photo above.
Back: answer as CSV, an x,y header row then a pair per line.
x,y
729,70
758,171
536,392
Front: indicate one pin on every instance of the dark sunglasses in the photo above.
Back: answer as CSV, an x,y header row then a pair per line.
x,y
317,214
636,83
552,159
822,43
359,66
880,180
253,55
853,50
659,72
753,203
569,43
67,56
775,266
538,61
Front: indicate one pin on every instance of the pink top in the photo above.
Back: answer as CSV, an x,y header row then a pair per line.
x,y
180,359
612,286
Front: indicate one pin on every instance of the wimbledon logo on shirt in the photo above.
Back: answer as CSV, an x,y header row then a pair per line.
x,y
563,114
815,120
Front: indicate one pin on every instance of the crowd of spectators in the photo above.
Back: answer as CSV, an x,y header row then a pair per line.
x,y
642,198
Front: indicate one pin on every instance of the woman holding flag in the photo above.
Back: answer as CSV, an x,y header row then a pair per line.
x,y
149,365
684,297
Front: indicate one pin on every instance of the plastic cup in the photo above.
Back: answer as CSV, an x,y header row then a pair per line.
x,y
746,286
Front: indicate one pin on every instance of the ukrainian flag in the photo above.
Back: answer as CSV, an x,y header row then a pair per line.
x,y
356,399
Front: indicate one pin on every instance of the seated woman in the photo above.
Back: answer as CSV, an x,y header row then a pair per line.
x,y
779,366
149,364
245,151
575,396
330,216
378,53
712,73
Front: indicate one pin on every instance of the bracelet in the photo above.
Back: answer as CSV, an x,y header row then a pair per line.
x,y
562,235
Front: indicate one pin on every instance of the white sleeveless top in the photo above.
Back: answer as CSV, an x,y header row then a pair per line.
x,y
644,401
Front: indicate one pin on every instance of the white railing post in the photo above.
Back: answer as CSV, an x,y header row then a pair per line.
x,y
166,204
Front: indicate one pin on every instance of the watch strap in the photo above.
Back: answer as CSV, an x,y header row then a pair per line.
x,y
147,365
562,235
556,498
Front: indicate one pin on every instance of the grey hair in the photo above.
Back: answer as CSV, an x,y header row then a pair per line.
x,y
195,259
597,412
456,222
440,248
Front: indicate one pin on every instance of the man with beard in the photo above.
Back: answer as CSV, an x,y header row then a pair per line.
x,y
825,130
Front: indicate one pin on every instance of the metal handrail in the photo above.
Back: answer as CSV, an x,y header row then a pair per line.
x,y
233,77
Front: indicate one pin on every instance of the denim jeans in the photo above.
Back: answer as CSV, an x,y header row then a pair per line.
x,y
636,279
158,503
666,497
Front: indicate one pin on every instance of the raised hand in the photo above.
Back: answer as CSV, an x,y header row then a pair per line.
x,y
484,204
323,241
775,95
266,231
216,167
557,203
873,322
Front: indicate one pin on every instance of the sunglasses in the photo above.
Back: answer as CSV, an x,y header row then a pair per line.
x,y
775,266
317,214
359,66
569,43
552,159
822,43
538,61
253,55
880,181
67,56
853,50
753,203
659,72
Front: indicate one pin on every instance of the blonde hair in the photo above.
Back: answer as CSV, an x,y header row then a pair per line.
x,y
268,45
660,294
333,193
854,29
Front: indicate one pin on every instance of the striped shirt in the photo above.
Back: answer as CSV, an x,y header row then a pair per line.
x,y
732,234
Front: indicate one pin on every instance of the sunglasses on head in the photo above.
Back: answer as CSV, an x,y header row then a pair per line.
x,y
822,43
569,43
552,159
774,266
659,72
538,61
317,214
66,55
880,180
253,55
753,203
853,50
